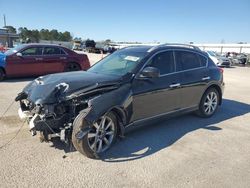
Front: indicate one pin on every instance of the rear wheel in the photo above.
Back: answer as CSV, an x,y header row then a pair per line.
x,y
72,67
99,139
209,103
2,74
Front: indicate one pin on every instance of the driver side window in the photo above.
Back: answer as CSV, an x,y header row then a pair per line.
x,y
164,61
32,51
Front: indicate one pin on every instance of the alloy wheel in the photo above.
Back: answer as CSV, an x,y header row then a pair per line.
x,y
210,103
101,135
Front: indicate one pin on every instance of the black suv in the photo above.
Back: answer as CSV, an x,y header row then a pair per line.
x,y
126,88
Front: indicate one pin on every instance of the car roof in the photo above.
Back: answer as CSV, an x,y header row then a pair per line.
x,y
41,44
154,49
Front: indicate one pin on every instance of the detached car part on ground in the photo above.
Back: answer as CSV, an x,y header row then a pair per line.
x,y
123,90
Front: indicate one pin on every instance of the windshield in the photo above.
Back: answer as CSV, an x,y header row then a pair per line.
x,y
14,50
119,63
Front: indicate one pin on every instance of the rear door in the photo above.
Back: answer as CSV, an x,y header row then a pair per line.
x,y
29,64
54,59
155,96
194,76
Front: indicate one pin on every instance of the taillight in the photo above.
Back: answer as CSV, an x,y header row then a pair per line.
x,y
221,70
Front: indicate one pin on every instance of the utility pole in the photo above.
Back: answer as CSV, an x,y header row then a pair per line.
x,y
4,20
8,36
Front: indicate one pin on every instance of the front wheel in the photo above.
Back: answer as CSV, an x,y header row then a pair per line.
x,y
209,103
99,139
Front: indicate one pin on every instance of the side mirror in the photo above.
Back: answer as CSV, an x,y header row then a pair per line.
x,y
19,54
150,72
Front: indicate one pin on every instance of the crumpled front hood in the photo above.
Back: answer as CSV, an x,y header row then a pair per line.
x,y
45,89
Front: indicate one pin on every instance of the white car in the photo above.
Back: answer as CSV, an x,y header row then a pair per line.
x,y
219,60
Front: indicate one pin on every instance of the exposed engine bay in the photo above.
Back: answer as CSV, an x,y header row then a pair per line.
x,y
51,110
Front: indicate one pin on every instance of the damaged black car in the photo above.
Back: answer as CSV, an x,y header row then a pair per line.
x,y
133,85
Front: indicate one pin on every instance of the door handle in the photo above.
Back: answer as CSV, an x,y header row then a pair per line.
x,y
175,85
63,57
206,78
39,59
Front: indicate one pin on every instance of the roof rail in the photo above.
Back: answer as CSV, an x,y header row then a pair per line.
x,y
175,44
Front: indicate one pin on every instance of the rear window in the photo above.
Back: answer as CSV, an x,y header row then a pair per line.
x,y
52,51
186,60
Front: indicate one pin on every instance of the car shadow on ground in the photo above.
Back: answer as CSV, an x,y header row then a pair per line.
x,y
155,136
159,135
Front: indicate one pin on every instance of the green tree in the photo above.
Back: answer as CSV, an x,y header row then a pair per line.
x,y
90,43
44,34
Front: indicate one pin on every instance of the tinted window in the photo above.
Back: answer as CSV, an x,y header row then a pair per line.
x,y
51,51
62,51
33,51
164,62
186,60
203,60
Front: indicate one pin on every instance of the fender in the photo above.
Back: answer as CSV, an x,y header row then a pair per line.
x,y
118,99
219,87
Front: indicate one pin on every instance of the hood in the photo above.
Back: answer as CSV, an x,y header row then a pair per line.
x,y
223,58
51,88
2,59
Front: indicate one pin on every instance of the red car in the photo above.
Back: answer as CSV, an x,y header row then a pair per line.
x,y
40,59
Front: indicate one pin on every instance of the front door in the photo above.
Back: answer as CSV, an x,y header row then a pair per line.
x,y
155,96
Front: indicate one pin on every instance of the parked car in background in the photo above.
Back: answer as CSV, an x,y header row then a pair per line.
x,y
77,45
218,59
128,87
237,58
40,59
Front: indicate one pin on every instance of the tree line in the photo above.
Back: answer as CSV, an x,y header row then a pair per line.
x,y
36,35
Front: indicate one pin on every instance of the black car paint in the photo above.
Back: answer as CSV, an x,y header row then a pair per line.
x,y
130,97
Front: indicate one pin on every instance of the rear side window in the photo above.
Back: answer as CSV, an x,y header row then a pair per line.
x,y
187,60
203,60
52,51
32,51
164,61
62,51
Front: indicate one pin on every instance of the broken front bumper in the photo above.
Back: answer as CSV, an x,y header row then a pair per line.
x,y
40,123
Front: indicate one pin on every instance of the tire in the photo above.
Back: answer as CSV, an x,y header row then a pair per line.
x,y
72,67
98,140
209,103
2,74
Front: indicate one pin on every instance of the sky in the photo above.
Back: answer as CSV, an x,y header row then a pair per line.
x,y
197,21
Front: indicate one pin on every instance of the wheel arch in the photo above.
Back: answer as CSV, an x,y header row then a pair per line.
x,y
121,117
73,62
